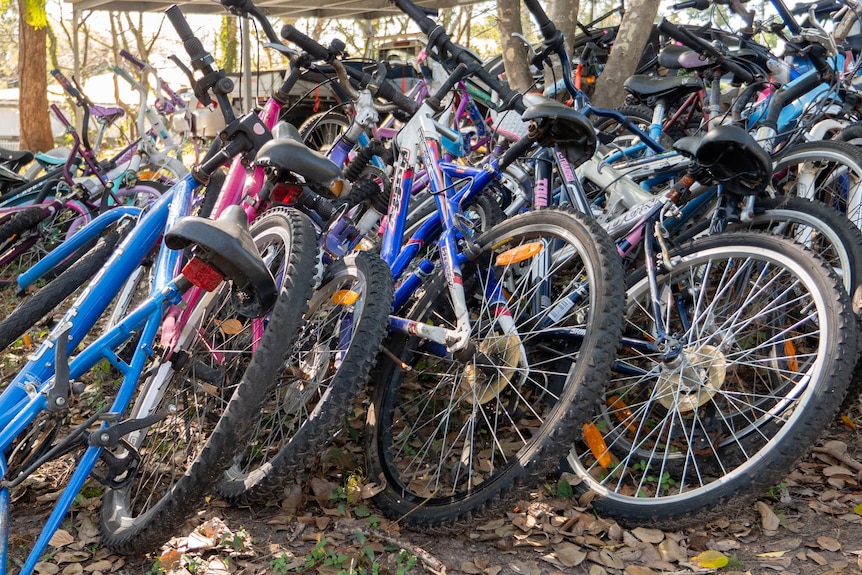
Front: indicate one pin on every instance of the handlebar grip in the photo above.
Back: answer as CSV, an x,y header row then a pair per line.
x,y
548,29
314,48
696,4
417,14
389,92
140,64
193,46
67,85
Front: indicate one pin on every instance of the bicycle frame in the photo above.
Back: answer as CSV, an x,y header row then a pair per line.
x,y
35,388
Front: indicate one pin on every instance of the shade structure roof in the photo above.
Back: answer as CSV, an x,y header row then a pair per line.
x,y
358,9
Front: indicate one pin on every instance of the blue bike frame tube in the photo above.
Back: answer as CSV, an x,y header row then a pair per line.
x,y
151,313
98,295
168,262
67,248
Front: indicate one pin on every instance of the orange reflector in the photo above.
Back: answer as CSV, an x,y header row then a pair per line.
x,y
597,444
790,354
622,411
28,343
519,254
345,297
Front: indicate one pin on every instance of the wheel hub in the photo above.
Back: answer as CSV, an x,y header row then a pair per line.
x,y
691,379
482,386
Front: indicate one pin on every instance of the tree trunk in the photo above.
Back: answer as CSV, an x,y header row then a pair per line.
x,y
631,39
514,52
34,123
564,15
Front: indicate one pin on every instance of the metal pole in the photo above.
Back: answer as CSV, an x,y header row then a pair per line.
x,y
76,62
247,104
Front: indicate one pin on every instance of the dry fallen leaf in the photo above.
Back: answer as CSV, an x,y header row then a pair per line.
x,y
817,558
772,554
828,543
671,551
570,554
610,559
648,535
768,519
60,538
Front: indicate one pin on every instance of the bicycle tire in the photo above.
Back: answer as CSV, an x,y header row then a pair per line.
x,y
33,310
756,384
23,221
428,493
325,371
826,170
215,427
320,131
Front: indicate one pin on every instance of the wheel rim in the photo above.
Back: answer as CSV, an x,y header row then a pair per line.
x,y
649,447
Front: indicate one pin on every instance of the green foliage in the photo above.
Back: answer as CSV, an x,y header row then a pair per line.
x,y
34,13
564,489
156,568
280,564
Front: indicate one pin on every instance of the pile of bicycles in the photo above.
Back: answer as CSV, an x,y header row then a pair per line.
x,y
676,320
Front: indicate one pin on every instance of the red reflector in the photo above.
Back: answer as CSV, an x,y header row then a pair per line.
x,y
202,274
284,193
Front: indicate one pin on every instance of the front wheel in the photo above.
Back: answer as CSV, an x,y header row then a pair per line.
x,y
327,367
727,375
449,434
210,390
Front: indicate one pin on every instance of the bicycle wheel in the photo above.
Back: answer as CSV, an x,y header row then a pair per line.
x,y
213,384
46,299
328,365
827,170
760,351
813,224
449,435
322,130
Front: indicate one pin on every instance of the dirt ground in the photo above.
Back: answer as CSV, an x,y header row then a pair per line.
x,y
811,523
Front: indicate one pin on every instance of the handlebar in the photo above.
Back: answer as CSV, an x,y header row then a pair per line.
x,y
134,60
438,38
201,59
385,90
696,4
67,85
702,46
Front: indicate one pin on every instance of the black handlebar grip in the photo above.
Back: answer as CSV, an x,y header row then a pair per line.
x,y
696,4
133,59
417,14
389,92
317,51
193,46
548,29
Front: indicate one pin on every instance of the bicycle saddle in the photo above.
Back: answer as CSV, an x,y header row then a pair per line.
x,y
227,245
732,157
675,57
15,159
650,88
565,127
293,156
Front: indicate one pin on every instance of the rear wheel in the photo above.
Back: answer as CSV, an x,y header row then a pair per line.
x,y
211,389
